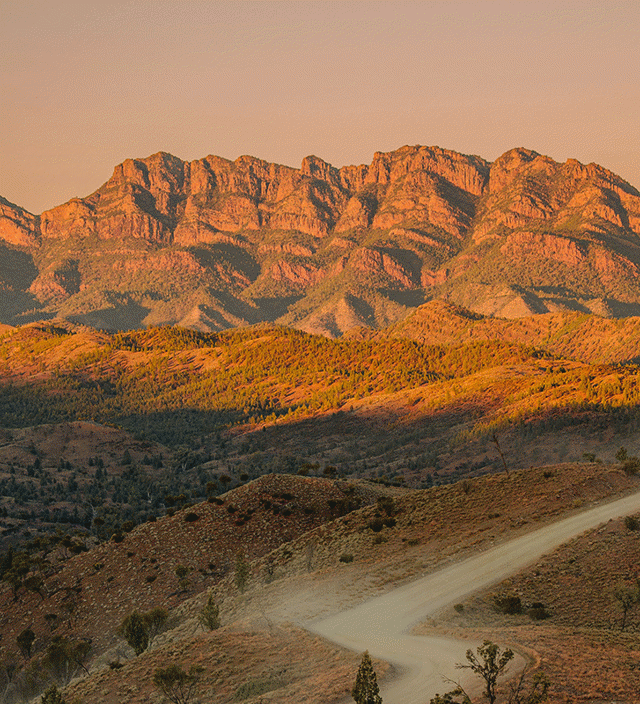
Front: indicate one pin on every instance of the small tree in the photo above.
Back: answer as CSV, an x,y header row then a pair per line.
x,y
365,690
176,684
181,573
621,454
52,696
490,664
65,657
154,621
135,631
537,692
25,639
210,615
242,571
627,597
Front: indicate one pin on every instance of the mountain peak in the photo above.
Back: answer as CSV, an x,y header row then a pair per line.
x,y
249,241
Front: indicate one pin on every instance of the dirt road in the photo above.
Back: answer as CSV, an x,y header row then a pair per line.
x,y
382,625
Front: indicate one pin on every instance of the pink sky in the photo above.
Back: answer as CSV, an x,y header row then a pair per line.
x,y
86,84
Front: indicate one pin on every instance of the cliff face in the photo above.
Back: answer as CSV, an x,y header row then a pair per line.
x,y
248,240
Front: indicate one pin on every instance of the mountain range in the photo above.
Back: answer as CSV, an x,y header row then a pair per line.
x,y
212,243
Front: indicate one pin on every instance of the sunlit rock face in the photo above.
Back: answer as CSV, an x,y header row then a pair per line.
x,y
257,241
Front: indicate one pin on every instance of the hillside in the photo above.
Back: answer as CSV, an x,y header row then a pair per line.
x,y
569,335
212,244
258,654
109,426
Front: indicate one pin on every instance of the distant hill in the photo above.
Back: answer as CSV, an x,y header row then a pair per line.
x,y
212,244
588,338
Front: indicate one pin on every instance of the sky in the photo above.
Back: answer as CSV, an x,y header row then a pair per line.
x,y
86,84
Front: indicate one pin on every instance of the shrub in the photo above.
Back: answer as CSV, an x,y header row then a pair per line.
x,y
242,572
52,696
365,689
115,665
181,571
631,523
134,630
538,611
346,557
621,454
508,603
376,524
210,615
65,657
389,522
631,465
386,504
458,608
191,517
139,629
176,684
25,642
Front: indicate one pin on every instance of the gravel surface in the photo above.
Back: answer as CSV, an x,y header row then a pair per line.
x,y
382,625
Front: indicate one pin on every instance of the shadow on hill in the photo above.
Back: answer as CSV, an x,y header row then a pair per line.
x,y
120,317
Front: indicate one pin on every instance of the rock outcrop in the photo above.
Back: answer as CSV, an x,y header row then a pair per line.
x,y
518,236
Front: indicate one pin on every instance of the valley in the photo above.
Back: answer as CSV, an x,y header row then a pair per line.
x,y
245,404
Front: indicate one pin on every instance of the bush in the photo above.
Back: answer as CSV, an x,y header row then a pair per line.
x,y
346,557
176,684
386,504
621,454
631,465
631,523
538,611
508,603
376,524
191,517
52,696
134,630
210,615
139,629
242,572
458,608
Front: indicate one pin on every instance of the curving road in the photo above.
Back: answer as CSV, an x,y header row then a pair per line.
x,y
382,624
